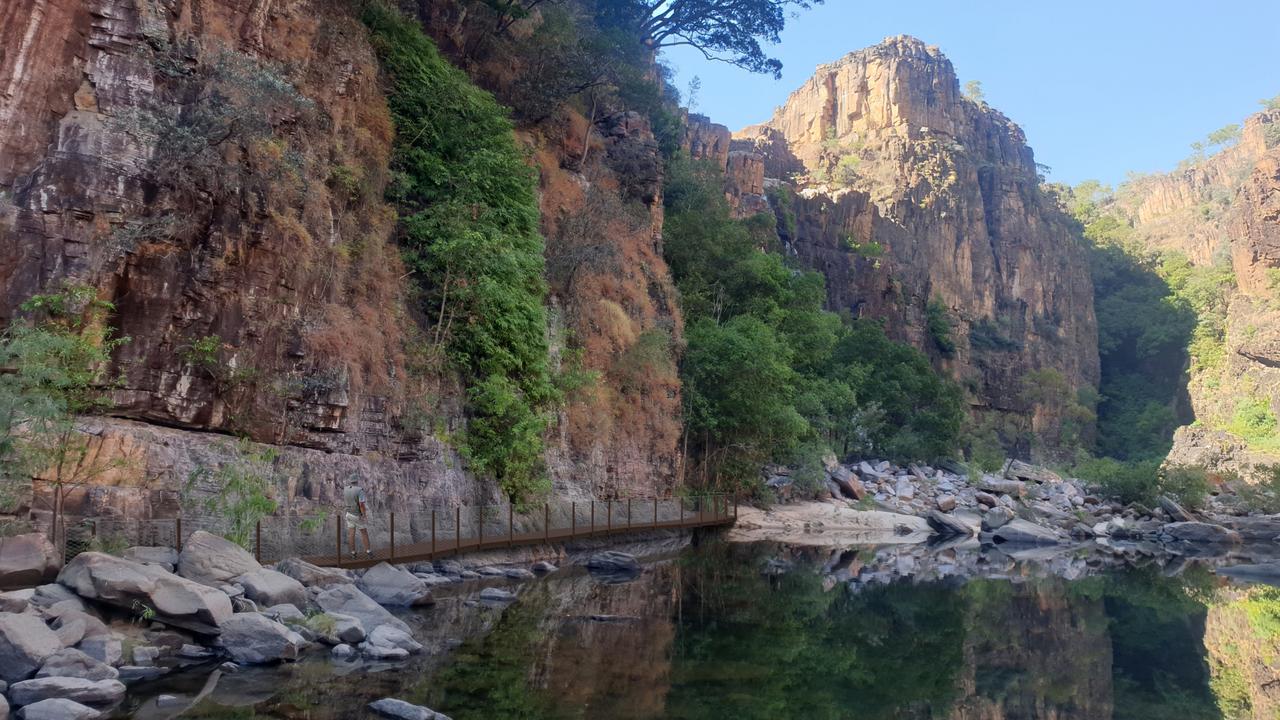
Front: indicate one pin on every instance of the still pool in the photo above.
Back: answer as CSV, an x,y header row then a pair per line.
x,y
770,631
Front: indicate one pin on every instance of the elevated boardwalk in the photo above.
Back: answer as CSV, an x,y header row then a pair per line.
x,y
446,540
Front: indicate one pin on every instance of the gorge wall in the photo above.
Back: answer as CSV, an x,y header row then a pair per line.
x,y
903,192
257,276
1224,210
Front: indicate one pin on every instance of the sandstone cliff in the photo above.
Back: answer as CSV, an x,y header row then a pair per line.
x,y
902,191
1224,209
253,267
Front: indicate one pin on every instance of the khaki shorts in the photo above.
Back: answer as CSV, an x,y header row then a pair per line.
x,y
354,522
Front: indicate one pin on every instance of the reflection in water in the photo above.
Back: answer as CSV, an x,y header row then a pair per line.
x,y
764,631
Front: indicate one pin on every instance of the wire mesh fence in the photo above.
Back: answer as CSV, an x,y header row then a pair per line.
x,y
406,535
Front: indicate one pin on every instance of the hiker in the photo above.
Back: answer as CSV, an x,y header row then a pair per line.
x,y
357,507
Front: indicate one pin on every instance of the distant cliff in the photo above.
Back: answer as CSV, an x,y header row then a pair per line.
x,y
923,207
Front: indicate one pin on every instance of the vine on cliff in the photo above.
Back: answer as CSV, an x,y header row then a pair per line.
x,y
469,233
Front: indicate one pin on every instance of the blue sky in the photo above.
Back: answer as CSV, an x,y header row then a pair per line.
x,y
1101,88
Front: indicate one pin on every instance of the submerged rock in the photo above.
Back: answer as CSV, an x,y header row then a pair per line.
x,y
1021,532
1199,532
401,710
947,525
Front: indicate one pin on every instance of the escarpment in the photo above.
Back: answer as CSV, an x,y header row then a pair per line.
x,y
924,208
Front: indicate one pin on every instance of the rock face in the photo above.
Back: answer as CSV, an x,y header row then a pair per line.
x,y
1217,208
122,583
909,192
27,560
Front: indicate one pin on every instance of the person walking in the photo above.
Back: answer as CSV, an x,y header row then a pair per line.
x,y
357,514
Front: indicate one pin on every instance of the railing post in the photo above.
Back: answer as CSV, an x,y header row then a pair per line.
x,y
178,530
480,530
393,536
546,522
655,511
573,519
593,519
511,527
433,533
680,502
628,513
457,532
257,543
608,517
735,505
339,546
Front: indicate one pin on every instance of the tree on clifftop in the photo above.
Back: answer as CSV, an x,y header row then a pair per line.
x,y
726,30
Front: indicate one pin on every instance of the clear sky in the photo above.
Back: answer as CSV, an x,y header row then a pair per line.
x,y
1100,88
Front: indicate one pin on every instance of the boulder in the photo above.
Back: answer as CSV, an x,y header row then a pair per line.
x,y
996,518
401,710
848,483
904,489
27,560
87,692
1262,527
542,566
1021,532
165,557
986,499
124,583
253,638
25,643
92,626
105,649
212,560
336,628
70,662
15,602
58,709
947,525
612,561
286,613
1002,486
1268,573
268,587
348,600
946,503
46,596
389,585
1026,472
4,708
312,575
1174,510
1199,532
342,651
519,574
496,595
385,636
70,632
145,655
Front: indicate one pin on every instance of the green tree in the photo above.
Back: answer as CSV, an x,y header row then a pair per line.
x,y
1227,135
724,30
55,364
973,91
938,325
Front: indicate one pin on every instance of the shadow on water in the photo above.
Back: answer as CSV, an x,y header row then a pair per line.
x,y
769,631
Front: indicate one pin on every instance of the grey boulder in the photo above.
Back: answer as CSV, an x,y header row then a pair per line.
x,y
385,641
212,560
25,643
336,628
389,585
88,692
103,648
312,575
70,662
58,709
348,600
1199,532
997,517
1021,532
165,557
268,587
125,583
27,560
252,638
948,525
612,561
401,710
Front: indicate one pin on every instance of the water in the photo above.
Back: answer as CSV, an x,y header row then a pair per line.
x,y
767,631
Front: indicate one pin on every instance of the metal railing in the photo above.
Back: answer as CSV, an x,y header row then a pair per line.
x,y
425,534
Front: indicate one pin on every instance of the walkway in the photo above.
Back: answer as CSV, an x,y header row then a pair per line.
x,y
445,540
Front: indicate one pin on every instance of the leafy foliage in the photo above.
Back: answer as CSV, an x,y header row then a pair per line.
x,y
241,490
727,30
938,325
1144,481
767,370
469,231
55,365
